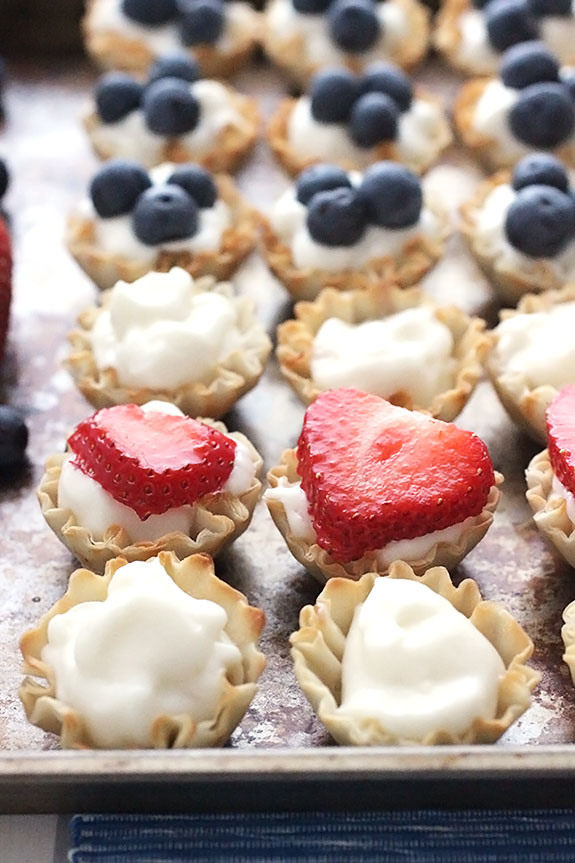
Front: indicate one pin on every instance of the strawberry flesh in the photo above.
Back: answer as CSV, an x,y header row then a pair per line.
x,y
373,472
5,283
151,461
560,419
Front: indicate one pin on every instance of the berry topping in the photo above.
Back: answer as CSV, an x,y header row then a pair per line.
x,y
174,66
392,195
527,63
164,213
320,178
560,419
152,13
353,24
117,95
197,182
336,217
568,80
373,119
13,438
550,7
540,221
202,22
311,7
333,93
540,169
5,284
373,472
170,107
4,178
116,187
509,22
543,116
386,78
151,461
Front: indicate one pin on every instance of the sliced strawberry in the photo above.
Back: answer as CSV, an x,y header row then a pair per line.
x,y
152,461
5,283
560,418
374,472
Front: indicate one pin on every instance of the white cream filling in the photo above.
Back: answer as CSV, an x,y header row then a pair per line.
x,y
416,664
491,119
559,490
148,650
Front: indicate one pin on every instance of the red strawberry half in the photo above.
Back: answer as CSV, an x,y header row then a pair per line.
x,y
373,472
152,461
560,417
5,283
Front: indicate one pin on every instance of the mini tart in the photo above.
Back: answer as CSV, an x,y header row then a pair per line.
x,y
231,146
231,379
296,337
323,566
219,519
295,161
447,39
106,269
526,405
549,509
568,636
318,647
195,576
294,56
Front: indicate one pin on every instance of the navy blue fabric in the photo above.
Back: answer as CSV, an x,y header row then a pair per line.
x,y
426,836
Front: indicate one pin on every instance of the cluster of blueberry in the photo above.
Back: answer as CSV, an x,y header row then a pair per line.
x,y
160,212
353,25
199,22
370,105
541,220
339,212
511,21
166,100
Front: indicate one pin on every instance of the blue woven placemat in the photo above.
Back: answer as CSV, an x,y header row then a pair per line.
x,y
422,836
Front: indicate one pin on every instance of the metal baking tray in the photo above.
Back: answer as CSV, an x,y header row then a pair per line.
x,y
280,757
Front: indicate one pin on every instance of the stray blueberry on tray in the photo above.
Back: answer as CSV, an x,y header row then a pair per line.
x,y
116,187
336,217
174,66
540,221
13,438
353,24
197,182
320,178
152,13
527,63
385,78
509,22
543,116
170,107
540,169
311,7
164,213
373,119
201,22
332,93
117,95
392,195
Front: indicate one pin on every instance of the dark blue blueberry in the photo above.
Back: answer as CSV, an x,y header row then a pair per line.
x,y
509,22
392,195
540,169
197,182
311,7
202,22
174,66
116,187
480,4
527,63
353,24
164,213
568,80
152,13
4,178
336,217
170,107
550,7
387,78
117,95
333,92
13,438
373,119
320,178
540,221
543,116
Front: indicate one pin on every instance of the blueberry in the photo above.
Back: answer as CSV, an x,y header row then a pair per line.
x,y
333,92
117,95
4,178
197,182
509,22
387,78
336,217
170,107
392,194
116,187
152,13
550,7
480,4
13,438
540,169
527,63
164,213
202,22
353,24
568,80
543,116
320,178
373,119
311,7
174,66
540,221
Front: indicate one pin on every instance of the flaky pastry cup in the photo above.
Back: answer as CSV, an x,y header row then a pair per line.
x,y
525,404
568,636
294,160
292,52
231,146
296,340
323,566
447,39
106,269
549,509
230,380
195,576
218,519
318,647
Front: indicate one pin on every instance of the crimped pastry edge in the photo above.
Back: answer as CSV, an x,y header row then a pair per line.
x,y
549,510
446,38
